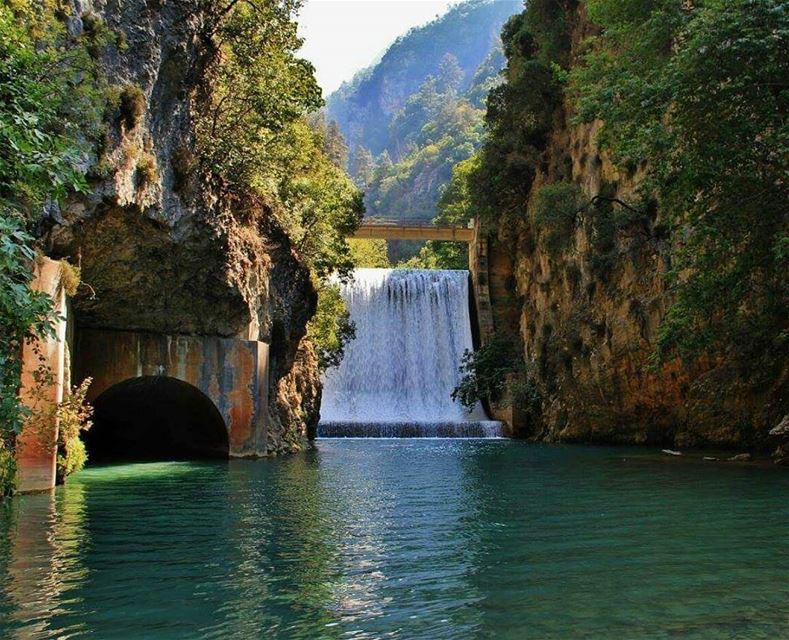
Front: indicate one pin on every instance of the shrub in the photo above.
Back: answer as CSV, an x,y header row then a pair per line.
x,y
147,172
484,372
331,327
555,210
131,105
74,415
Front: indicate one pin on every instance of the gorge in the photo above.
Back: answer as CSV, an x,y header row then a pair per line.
x,y
280,365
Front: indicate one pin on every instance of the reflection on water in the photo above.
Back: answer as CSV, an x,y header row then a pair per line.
x,y
403,539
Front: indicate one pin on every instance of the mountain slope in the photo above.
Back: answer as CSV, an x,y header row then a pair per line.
x,y
365,107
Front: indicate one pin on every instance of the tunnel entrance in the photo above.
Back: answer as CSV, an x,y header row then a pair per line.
x,y
155,418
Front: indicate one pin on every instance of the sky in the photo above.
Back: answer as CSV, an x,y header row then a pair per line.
x,y
343,36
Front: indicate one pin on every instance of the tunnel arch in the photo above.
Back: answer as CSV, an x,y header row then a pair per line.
x,y
155,418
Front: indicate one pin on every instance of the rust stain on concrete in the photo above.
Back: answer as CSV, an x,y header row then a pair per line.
x,y
226,370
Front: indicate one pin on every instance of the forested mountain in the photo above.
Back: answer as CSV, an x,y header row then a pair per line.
x,y
412,117
366,106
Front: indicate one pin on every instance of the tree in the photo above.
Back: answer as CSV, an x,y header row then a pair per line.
x,y
369,253
362,166
698,92
51,100
450,76
335,146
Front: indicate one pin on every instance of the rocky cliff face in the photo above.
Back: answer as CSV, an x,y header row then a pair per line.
x,y
591,310
159,250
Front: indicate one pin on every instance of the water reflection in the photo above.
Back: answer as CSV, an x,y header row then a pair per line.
x,y
45,538
402,539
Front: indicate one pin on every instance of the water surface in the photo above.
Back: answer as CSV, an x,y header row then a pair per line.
x,y
407,539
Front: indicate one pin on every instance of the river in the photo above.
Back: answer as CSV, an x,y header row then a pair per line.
x,y
404,539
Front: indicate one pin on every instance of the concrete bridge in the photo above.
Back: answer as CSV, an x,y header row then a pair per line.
x,y
392,229
154,396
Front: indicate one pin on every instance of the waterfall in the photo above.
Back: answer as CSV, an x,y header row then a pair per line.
x,y
397,376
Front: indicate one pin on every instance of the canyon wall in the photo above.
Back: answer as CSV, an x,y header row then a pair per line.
x,y
590,311
159,248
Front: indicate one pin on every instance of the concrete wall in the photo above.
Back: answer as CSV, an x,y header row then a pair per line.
x,y
36,446
233,373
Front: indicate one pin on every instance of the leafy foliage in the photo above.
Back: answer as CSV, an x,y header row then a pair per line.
x,y
484,372
331,329
254,136
369,253
410,189
51,101
699,92
74,416
320,204
554,213
520,113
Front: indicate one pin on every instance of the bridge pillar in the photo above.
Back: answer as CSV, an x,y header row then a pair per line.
x,y
36,446
231,372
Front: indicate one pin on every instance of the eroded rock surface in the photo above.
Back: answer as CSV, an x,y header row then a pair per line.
x,y
159,250
590,315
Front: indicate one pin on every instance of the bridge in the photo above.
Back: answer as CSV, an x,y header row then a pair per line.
x,y
392,229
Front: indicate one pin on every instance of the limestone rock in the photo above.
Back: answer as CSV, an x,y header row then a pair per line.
x,y
589,315
782,428
159,249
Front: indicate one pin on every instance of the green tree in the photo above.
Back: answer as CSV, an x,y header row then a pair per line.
x,y
335,146
699,92
254,136
331,329
369,253
51,100
450,75
362,167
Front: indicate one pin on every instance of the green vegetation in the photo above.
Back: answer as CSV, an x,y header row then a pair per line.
x,y
485,372
699,93
74,416
520,114
495,372
51,102
255,139
366,107
695,96
369,253
331,328
435,131
555,210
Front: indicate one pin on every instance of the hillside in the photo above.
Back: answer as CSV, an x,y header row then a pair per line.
x,y
366,106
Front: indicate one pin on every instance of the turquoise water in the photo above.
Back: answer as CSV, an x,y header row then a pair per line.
x,y
404,539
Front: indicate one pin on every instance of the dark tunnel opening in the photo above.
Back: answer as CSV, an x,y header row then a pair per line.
x,y
155,418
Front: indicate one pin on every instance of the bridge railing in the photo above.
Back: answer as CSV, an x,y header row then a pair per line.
x,y
396,222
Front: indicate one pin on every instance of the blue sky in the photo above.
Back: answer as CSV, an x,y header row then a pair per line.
x,y
343,36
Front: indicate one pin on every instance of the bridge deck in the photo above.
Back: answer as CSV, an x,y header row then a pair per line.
x,y
413,230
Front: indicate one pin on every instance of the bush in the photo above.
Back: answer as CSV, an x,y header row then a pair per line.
x,y
331,328
484,372
555,210
74,415
7,470
147,173
131,106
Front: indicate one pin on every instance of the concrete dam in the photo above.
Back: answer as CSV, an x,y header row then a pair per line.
x,y
397,376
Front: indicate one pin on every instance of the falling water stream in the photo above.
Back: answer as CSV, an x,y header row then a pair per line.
x,y
397,376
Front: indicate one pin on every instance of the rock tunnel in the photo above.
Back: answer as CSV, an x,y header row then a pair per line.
x,y
156,418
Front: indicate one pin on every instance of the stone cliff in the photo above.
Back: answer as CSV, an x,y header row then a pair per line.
x,y
590,309
159,250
